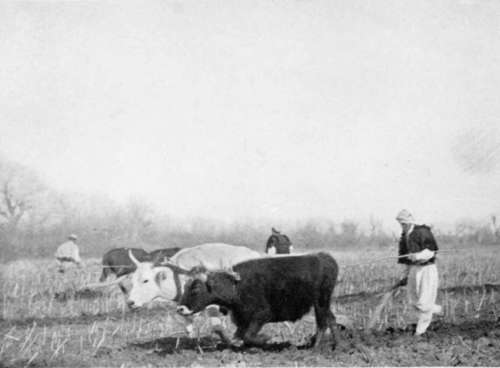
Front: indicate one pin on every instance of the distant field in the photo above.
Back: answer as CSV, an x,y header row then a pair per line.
x,y
48,321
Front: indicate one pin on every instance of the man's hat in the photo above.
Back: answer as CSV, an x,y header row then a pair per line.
x,y
405,217
73,237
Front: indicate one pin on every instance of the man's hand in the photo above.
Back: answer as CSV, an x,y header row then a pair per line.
x,y
422,256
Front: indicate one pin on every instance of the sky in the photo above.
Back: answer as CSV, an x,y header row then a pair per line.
x,y
259,109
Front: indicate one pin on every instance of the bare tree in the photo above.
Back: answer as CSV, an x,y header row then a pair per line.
x,y
349,228
20,193
375,226
139,218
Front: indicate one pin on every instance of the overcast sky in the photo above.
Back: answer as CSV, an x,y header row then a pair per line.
x,y
276,109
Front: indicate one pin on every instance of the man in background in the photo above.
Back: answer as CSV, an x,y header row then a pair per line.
x,y
68,252
420,248
278,243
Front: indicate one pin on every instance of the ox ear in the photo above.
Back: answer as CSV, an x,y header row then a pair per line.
x,y
131,255
160,276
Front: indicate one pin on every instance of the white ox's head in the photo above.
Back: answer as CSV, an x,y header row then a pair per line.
x,y
157,279
150,281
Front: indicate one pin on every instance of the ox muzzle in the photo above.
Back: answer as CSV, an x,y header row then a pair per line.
x,y
131,304
185,311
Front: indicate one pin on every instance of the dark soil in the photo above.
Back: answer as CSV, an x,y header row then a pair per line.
x,y
471,343
473,340
467,343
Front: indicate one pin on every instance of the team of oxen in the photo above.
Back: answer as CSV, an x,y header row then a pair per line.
x,y
254,289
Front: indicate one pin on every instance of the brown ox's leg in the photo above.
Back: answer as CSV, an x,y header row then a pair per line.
x,y
251,335
334,330
219,331
321,314
240,332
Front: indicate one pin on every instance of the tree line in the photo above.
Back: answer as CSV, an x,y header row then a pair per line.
x,y
35,219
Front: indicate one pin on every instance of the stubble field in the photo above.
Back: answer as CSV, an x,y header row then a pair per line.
x,y
50,319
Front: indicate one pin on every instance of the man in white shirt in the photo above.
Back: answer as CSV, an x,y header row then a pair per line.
x,y
419,244
68,252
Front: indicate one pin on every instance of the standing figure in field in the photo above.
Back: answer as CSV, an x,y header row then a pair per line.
x,y
421,276
278,243
68,252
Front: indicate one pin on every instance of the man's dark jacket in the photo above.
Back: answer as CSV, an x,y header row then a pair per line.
x,y
419,239
281,242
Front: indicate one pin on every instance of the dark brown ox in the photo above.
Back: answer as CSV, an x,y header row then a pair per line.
x,y
265,290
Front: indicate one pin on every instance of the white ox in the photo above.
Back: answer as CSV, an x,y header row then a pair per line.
x,y
151,281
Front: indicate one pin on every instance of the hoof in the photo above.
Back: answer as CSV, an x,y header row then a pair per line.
x,y
310,342
258,340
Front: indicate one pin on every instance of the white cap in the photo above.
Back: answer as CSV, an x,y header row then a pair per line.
x,y
405,217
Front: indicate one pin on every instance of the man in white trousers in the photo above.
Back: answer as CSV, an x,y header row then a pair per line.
x,y
419,244
68,252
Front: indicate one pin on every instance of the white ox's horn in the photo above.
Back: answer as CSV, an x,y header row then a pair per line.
x,y
175,268
131,255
